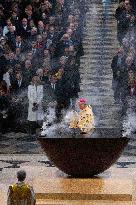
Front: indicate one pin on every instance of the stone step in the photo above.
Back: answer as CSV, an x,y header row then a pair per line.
x,y
100,20
99,39
99,54
97,46
95,63
100,95
100,90
100,13
98,83
96,75
94,72
99,35
97,49
79,202
92,32
95,9
112,18
102,23
100,44
89,76
83,189
91,63
100,9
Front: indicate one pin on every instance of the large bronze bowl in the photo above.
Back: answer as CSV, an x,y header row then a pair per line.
x,y
83,157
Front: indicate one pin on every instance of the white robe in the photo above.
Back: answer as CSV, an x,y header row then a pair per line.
x,y
35,95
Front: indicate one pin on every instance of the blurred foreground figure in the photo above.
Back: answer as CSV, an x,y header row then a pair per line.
x,y
84,120
21,193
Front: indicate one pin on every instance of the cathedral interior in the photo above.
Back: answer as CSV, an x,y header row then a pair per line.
x,y
86,50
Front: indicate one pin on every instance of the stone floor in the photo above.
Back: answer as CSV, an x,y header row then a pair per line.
x,y
19,143
42,174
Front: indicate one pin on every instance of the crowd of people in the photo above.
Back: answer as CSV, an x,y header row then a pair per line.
x,y
40,50
124,62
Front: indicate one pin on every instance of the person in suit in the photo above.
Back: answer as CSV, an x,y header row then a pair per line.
x,y
62,93
41,27
52,35
18,83
11,59
118,62
3,65
15,18
120,73
24,29
11,37
29,13
19,43
46,61
28,71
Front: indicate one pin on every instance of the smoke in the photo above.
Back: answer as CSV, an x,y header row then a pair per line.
x,y
52,129
50,116
129,123
20,105
21,95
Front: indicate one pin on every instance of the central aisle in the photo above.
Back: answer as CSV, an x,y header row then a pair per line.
x,y
100,45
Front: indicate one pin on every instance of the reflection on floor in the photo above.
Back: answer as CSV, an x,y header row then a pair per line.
x,y
53,187
19,143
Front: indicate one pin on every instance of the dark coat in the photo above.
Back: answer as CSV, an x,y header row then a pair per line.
x,y
122,20
118,71
11,39
4,103
25,33
15,86
28,74
3,64
68,86
23,46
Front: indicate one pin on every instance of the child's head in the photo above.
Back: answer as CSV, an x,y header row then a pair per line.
x,y
21,175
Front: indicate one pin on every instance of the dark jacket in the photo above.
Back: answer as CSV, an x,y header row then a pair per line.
x,y
118,70
15,86
4,103
25,33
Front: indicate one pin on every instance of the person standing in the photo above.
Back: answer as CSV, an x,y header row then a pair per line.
x,y
84,120
35,97
5,107
21,193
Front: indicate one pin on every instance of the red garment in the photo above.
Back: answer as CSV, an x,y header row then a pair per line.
x,y
39,45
